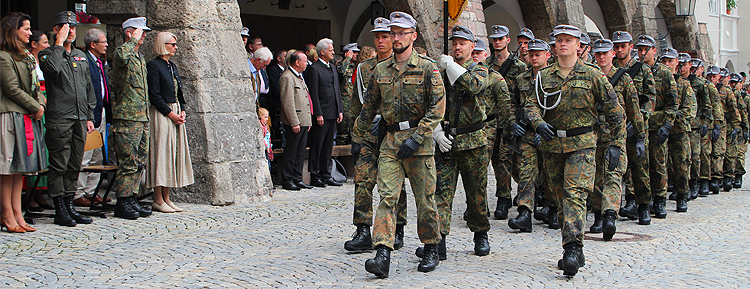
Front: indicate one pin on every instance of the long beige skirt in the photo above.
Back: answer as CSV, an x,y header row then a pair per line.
x,y
169,155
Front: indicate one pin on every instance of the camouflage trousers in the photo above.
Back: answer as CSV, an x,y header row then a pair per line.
x,y
637,176
695,154
739,165
731,157
717,155
343,129
502,165
658,166
131,149
571,178
608,184
527,165
679,153
472,165
391,174
365,178
707,147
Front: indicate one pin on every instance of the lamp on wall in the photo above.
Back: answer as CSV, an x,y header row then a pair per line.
x,y
684,8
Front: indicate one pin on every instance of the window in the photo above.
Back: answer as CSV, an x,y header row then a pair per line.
x,y
714,7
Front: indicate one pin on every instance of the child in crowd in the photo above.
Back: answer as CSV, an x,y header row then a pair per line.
x,y
266,129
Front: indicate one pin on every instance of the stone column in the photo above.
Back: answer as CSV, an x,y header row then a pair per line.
x,y
643,22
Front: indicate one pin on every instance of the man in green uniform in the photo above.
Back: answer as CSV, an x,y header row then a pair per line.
x,y
707,143
346,71
523,38
699,127
69,115
637,178
734,120
605,200
408,90
725,110
563,110
509,66
130,114
735,82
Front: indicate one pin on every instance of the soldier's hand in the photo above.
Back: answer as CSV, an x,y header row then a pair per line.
x,y
444,143
137,34
640,148
375,128
716,133
746,136
733,135
62,34
537,140
349,53
408,148
356,149
545,130
613,156
517,129
704,130
663,133
444,60
630,129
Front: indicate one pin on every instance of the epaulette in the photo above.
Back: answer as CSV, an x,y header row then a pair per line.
x,y
384,59
426,57
592,65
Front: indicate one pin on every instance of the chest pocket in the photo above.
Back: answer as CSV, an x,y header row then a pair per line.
x,y
412,90
578,91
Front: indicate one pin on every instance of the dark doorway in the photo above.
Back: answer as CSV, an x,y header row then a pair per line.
x,y
285,32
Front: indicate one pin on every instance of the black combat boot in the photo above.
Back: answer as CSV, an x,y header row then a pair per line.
x,y
522,221
80,219
124,210
660,210
737,182
442,252
608,224
399,241
553,219
381,264
715,184
572,259
728,183
703,190
481,244
597,226
361,241
501,211
670,187
644,216
542,215
430,260
693,189
682,203
62,217
143,212
673,196
630,210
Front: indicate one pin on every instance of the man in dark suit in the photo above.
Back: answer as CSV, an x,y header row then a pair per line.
x,y
323,82
296,112
274,74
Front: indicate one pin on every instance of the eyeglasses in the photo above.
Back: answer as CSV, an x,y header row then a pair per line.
x,y
400,34
173,43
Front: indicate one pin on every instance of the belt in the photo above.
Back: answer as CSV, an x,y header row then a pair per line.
x,y
659,108
454,131
574,132
404,125
491,117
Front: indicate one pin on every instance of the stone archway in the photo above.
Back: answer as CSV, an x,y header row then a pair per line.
x,y
680,29
617,14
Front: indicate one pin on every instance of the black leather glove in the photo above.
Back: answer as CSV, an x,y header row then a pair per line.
x,y
704,130
613,156
356,149
630,129
716,133
745,136
375,128
537,140
407,148
517,129
640,147
733,135
663,133
545,130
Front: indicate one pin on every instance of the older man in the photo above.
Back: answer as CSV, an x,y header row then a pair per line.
x,y
296,111
258,63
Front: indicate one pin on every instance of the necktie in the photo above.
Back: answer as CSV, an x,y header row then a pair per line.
x,y
106,87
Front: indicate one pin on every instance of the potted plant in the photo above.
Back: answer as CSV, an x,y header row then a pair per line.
x,y
731,4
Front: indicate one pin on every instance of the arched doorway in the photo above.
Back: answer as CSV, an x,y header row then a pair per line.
x,y
729,65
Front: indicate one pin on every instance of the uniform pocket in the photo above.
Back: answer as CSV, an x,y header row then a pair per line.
x,y
579,89
413,91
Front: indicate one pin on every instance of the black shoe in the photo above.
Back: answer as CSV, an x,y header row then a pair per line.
x,y
644,216
728,183
682,203
430,260
522,221
539,199
703,190
608,224
318,183
542,215
673,196
572,259
660,210
399,241
670,188
143,212
501,211
361,241
80,219
381,264
302,185
124,210
332,182
482,243
442,252
515,201
737,182
290,187
715,184
62,217
554,223
630,210
597,226
693,189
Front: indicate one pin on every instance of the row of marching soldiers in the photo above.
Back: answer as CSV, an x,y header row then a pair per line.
x,y
570,127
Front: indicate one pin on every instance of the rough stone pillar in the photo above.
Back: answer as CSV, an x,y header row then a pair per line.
x,y
643,22
570,12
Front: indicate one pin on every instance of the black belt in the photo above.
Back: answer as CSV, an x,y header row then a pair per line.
x,y
659,108
491,117
574,132
404,125
454,131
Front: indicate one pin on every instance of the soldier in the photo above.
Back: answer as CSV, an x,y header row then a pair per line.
x,y
583,51
346,71
735,82
731,131
717,116
69,116
509,66
605,200
525,141
637,178
411,116
699,127
552,50
562,109
523,39
365,153
679,142
130,114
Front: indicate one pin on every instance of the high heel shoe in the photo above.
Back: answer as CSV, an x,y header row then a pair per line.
x,y
164,208
175,208
16,229
28,228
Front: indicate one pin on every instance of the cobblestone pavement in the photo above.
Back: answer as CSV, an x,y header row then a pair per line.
x,y
296,240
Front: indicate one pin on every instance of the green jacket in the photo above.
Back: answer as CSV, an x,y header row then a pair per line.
x,y
129,83
470,88
644,83
731,114
667,98
70,94
627,96
497,104
717,105
15,80
688,106
704,115
515,68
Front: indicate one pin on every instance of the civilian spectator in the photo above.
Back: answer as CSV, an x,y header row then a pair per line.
x,y
38,42
266,130
420,50
258,63
274,74
296,111
366,53
253,44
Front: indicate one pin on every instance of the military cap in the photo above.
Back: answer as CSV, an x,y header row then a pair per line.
x,y
381,25
551,38
621,37
585,39
351,46
723,71
461,32
684,57
669,52
403,20
645,40
499,31
538,45
526,32
567,29
66,17
245,32
136,22
712,69
696,62
602,45
479,45
735,77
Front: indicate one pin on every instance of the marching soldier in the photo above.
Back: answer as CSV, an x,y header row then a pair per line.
x,y
739,166
523,39
731,132
700,144
707,148
563,111
346,71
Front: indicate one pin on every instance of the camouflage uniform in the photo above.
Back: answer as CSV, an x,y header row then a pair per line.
x,y
129,111
468,155
704,116
570,161
528,161
717,106
420,97
744,104
666,107
679,142
346,70
724,154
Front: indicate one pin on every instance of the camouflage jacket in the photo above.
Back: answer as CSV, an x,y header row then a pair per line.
x,y
667,99
469,90
414,92
688,106
731,114
364,69
580,93
645,84
627,96
497,104
742,108
129,83
515,68
70,94
346,70
525,88
704,114
717,105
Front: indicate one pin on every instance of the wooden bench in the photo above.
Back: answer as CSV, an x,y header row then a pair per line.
x,y
337,151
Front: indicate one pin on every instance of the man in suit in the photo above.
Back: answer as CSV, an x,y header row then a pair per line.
x,y
296,111
323,81
274,74
96,49
258,63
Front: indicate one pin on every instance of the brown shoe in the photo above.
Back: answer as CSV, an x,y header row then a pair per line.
x,y
99,200
82,202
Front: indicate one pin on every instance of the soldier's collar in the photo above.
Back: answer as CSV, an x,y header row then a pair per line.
x,y
412,60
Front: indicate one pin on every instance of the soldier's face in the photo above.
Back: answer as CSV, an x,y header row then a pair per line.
x,y
604,59
523,45
383,42
402,38
244,40
671,63
725,80
646,53
500,43
567,45
622,50
462,49
538,58
685,69
479,55
714,78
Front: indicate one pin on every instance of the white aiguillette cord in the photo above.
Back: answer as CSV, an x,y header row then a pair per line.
x,y
537,81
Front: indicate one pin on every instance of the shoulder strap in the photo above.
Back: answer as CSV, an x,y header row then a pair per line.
x,y
460,102
633,71
506,65
615,78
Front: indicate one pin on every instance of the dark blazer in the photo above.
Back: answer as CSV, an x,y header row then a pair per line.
x,y
274,74
324,88
96,76
161,89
